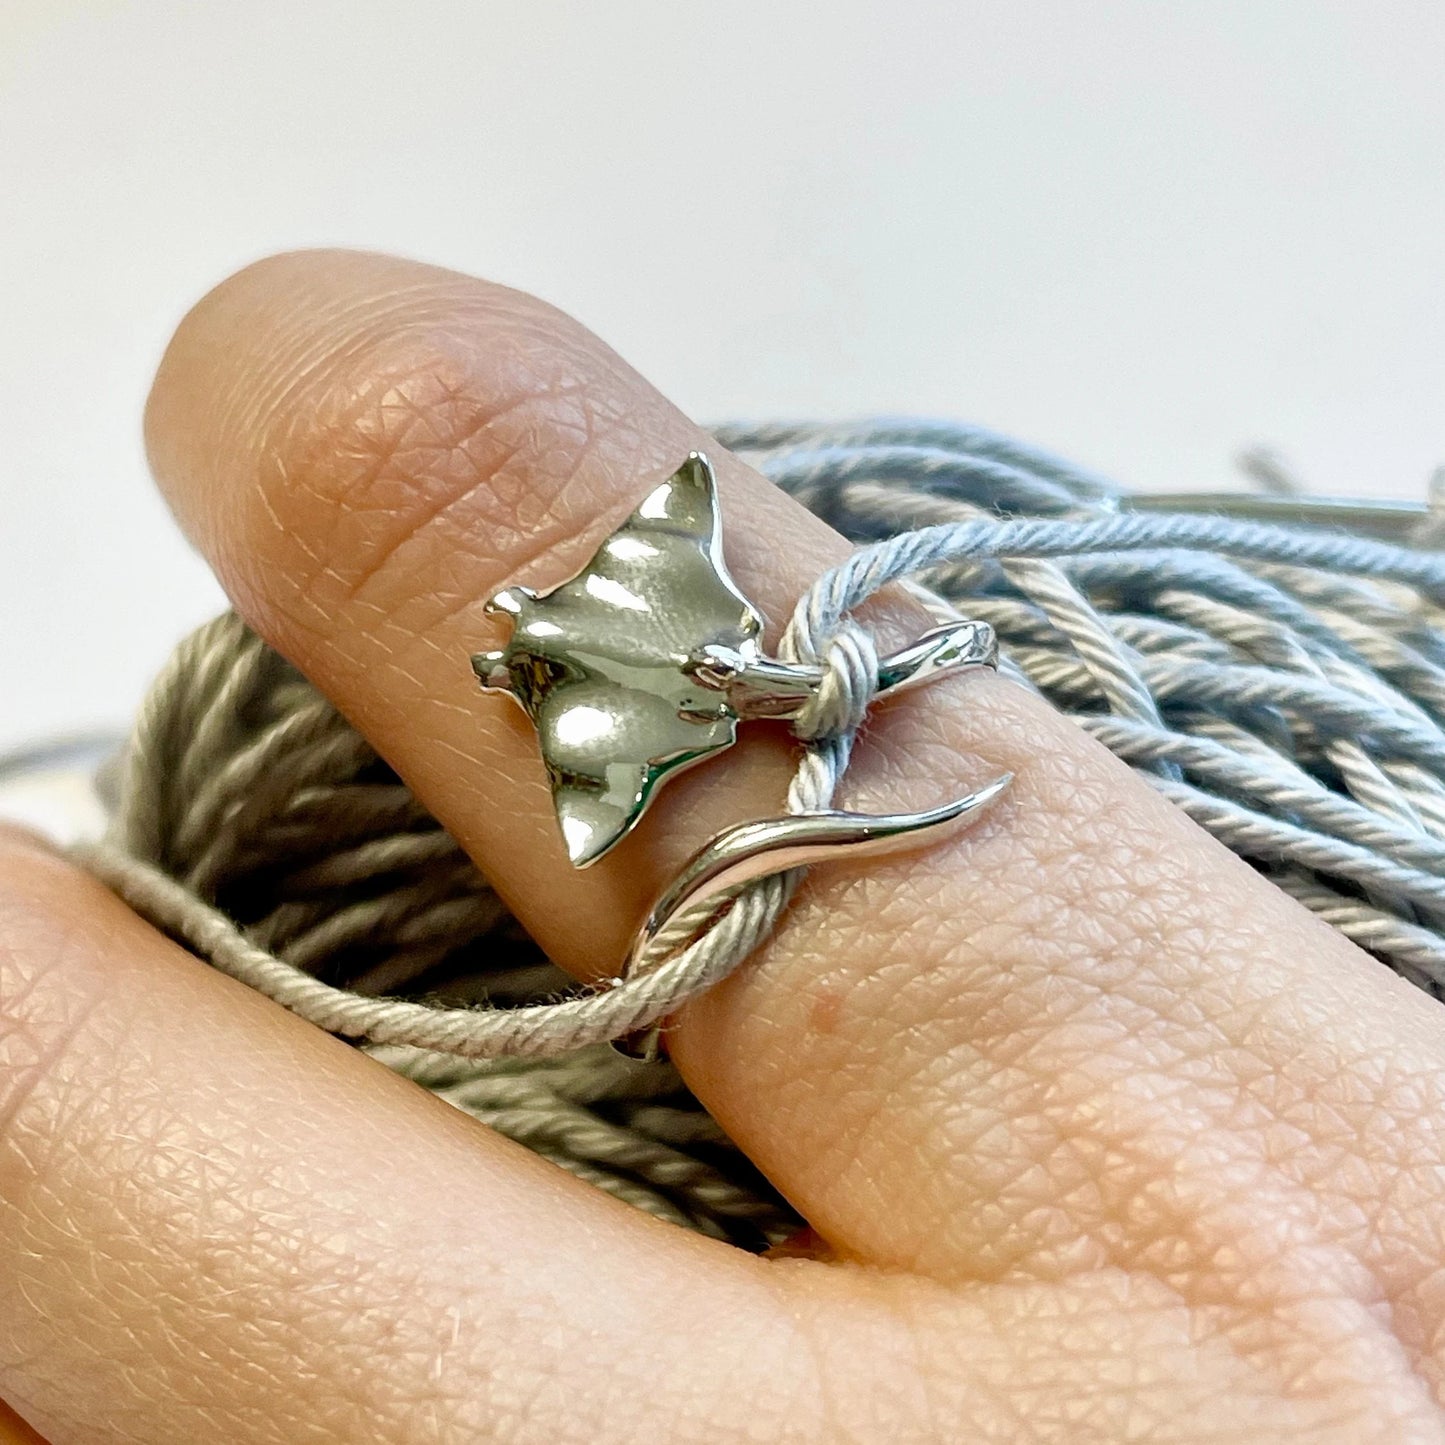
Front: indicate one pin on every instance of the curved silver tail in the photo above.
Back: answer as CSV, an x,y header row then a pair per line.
x,y
758,849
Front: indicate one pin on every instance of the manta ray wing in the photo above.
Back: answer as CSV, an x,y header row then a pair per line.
x,y
600,663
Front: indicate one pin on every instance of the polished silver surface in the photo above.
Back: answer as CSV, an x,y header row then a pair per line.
x,y
758,686
749,851
743,854
602,663
645,662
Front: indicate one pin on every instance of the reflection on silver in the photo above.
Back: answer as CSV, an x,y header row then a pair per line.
x,y
750,851
645,662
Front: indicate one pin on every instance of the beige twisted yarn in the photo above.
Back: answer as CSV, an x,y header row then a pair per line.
x,y
243,786
1283,686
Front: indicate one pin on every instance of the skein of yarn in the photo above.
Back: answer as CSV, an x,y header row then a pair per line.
x,y
1283,686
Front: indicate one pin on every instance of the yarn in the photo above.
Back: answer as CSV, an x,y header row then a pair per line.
x,y
1284,686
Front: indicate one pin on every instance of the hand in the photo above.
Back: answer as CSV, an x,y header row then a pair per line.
x,y
1103,1137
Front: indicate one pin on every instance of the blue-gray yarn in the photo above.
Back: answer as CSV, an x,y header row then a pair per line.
x,y
1284,686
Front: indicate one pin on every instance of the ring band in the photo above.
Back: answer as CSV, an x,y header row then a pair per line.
x,y
644,663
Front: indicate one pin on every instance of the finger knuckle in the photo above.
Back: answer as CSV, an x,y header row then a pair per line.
x,y
437,446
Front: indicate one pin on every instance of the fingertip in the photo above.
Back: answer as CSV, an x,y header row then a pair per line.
x,y
351,397
232,356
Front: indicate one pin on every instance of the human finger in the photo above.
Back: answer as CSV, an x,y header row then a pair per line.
x,y
219,1224
942,1059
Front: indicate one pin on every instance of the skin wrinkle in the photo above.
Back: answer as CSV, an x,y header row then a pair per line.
x,y
317,1318
169,1226
293,359
169,1220
880,993
423,374
1033,848
969,1147
180,1194
334,430
1062,1345
29,956
383,449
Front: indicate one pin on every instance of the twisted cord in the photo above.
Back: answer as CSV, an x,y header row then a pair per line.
x,y
820,633
1285,687
662,1153
661,983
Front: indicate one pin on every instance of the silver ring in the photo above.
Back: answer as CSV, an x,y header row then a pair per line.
x,y
644,664
646,661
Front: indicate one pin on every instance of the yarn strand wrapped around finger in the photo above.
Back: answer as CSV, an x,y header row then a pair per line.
x,y
1283,685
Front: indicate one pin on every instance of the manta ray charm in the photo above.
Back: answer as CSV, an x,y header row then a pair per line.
x,y
644,663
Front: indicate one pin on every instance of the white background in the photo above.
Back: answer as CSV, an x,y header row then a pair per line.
x,y
1146,234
